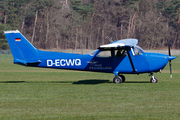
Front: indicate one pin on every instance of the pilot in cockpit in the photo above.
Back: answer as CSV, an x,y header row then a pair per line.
x,y
121,52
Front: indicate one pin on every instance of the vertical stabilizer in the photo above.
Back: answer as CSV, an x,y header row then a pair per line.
x,y
23,51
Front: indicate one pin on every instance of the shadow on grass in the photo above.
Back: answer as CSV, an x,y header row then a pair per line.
x,y
137,82
85,82
12,81
36,81
72,82
92,82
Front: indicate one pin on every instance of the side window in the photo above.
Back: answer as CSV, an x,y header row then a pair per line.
x,y
104,54
120,53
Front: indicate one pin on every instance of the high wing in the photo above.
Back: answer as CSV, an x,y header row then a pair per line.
x,y
121,43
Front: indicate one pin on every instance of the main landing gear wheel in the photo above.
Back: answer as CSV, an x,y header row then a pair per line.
x,y
123,78
117,79
154,80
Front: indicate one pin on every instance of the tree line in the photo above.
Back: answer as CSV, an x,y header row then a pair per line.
x,y
87,24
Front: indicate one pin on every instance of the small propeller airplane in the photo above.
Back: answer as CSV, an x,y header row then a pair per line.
x,y
119,57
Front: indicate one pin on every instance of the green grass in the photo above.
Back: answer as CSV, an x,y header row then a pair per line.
x,y
40,93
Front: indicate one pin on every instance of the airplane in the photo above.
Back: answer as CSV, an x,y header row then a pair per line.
x,y
119,57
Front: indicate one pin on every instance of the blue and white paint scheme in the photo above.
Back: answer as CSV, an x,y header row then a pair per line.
x,y
119,57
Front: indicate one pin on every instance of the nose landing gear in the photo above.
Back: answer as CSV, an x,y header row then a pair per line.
x,y
153,79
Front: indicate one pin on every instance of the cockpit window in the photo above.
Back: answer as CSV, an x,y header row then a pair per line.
x,y
92,53
138,50
104,54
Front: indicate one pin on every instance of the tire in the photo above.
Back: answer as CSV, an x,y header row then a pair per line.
x,y
117,80
123,78
154,81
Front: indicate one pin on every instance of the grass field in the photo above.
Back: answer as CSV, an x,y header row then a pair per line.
x,y
40,93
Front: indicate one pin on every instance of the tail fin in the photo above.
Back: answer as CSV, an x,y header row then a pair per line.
x,y
23,51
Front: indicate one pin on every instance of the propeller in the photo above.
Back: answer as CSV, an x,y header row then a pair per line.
x,y
169,49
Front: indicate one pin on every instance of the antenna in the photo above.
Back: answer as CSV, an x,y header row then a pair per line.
x,y
110,39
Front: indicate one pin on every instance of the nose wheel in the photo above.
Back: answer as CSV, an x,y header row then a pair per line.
x,y
153,79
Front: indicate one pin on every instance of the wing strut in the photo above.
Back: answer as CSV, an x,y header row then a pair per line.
x,y
134,70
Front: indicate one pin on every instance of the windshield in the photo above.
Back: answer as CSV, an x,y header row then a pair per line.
x,y
139,50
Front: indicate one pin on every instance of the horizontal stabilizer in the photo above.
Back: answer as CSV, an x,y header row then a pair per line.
x,y
19,61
